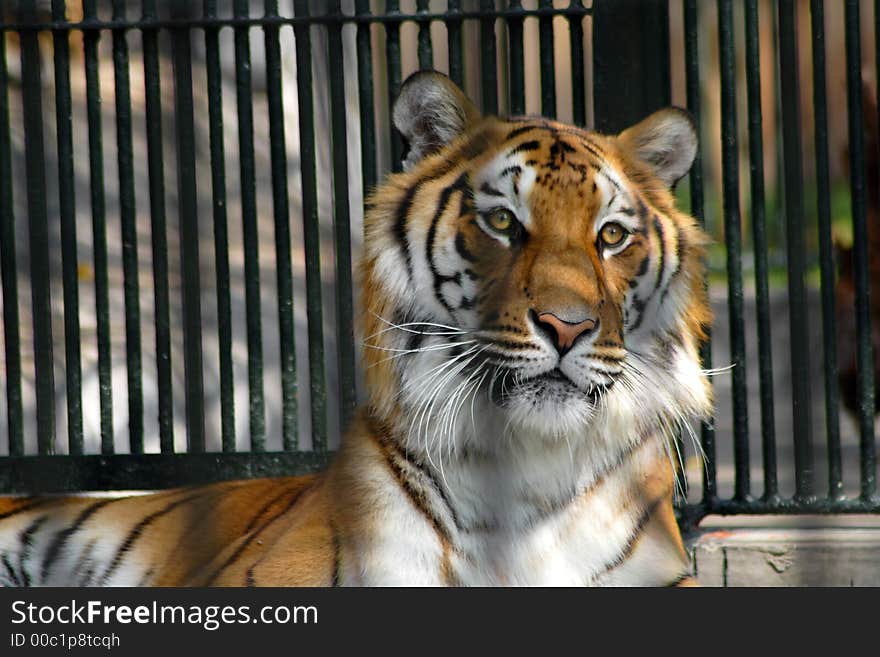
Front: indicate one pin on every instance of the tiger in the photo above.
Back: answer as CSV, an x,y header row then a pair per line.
x,y
531,309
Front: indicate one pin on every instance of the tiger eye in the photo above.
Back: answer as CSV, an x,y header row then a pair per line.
x,y
613,234
501,220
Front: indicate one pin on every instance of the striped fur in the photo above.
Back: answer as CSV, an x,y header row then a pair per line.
x,y
490,451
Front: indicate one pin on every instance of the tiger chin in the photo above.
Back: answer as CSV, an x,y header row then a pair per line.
x,y
532,308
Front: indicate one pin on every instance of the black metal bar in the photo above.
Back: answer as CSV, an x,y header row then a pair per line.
x,y
8,270
221,235
311,234
51,474
99,225
733,241
630,61
578,78
799,319
453,19
342,235
249,222
692,83
131,293
188,223
517,62
864,346
281,207
759,236
392,55
426,52
366,99
488,61
67,216
38,231
826,252
158,236
548,62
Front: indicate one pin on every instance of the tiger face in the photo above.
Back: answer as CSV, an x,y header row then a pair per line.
x,y
532,273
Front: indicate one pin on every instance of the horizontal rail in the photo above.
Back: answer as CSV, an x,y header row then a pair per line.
x,y
273,20
59,474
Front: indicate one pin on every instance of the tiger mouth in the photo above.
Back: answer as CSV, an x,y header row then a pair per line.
x,y
501,389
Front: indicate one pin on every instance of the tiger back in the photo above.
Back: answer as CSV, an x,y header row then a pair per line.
x,y
532,307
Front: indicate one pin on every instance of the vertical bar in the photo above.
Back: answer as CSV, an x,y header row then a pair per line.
x,y
67,216
733,241
578,77
221,238
249,223
867,457
799,319
517,63
365,90
630,61
548,63
159,241
342,231
311,235
189,239
453,38
488,60
392,53
38,229
692,71
426,53
281,207
826,251
8,269
759,236
125,160
91,37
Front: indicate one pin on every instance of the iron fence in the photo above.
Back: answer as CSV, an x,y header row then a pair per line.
x,y
619,67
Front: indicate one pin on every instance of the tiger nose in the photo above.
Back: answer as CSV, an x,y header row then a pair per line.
x,y
561,332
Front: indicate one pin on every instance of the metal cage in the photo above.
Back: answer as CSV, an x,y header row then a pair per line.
x,y
619,67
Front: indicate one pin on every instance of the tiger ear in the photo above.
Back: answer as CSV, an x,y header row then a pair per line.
x,y
666,140
430,112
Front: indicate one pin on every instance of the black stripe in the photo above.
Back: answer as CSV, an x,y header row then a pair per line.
x,y
13,576
632,540
253,536
27,507
268,505
658,227
516,132
25,538
516,169
524,147
337,555
461,185
86,558
382,435
136,533
147,577
486,188
639,307
681,578
62,537
400,227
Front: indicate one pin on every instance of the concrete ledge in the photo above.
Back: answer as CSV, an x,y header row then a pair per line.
x,y
787,551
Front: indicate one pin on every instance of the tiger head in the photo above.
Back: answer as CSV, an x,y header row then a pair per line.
x,y
532,277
